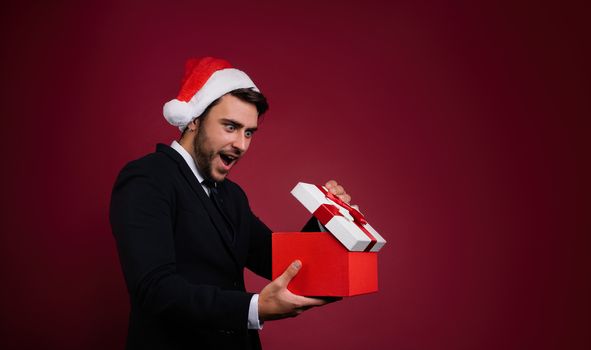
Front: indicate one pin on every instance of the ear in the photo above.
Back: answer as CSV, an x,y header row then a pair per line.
x,y
190,132
193,125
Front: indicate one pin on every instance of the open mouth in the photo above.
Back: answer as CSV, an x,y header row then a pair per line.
x,y
227,159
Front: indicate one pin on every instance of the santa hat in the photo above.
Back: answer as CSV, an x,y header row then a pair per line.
x,y
206,79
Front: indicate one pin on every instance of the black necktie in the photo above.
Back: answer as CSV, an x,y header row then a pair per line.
x,y
218,203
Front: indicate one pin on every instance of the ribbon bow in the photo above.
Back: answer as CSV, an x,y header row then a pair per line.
x,y
358,218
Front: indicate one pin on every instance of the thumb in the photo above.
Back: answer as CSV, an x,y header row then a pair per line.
x,y
289,273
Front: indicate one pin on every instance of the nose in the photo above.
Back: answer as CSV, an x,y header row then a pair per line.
x,y
241,142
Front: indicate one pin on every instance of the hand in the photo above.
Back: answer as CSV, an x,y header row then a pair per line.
x,y
277,302
338,190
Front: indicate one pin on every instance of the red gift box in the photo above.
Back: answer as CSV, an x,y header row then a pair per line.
x,y
328,268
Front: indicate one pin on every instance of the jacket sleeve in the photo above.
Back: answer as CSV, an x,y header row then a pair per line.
x,y
259,254
141,216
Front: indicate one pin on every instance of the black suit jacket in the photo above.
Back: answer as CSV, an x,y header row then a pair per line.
x,y
183,272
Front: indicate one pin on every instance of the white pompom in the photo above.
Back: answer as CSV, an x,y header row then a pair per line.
x,y
178,113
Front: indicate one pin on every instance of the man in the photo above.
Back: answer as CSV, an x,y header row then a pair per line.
x,y
185,233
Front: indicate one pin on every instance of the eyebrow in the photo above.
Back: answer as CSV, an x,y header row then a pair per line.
x,y
238,124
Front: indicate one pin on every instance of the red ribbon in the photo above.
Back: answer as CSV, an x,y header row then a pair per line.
x,y
358,218
325,212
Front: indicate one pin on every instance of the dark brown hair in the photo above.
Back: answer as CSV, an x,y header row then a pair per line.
x,y
247,95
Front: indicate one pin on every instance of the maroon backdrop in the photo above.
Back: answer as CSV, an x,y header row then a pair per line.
x,y
460,130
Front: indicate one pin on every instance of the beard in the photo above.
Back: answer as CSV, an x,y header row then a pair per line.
x,y
205,156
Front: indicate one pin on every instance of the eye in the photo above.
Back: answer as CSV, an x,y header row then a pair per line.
x,y
230,127
248,133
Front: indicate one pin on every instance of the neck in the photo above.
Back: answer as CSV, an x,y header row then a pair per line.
x,y
187,141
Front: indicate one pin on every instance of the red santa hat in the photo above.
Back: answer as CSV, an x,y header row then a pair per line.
x,y
206,79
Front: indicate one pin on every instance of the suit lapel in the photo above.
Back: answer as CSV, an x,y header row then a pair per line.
x,y
212,211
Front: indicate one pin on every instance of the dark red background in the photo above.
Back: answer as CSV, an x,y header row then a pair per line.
x,y
460,130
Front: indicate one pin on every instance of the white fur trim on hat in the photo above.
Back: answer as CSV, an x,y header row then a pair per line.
x,y
180,113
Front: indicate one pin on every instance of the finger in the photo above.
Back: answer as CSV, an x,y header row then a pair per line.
x,y
289,273
345,198
330,184
305,302
336,190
